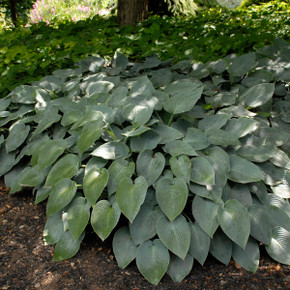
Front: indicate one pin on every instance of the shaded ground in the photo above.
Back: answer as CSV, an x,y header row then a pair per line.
x,y
25,263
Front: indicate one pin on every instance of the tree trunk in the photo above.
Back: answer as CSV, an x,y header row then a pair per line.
x,y
130,12
14,14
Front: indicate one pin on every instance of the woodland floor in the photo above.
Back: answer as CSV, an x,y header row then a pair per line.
x,y
25,263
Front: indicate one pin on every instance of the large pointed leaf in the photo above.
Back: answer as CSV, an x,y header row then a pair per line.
x,y
196,139
279,246
167,133
124,247
24,95
199,243
7,161
150,165
244,171
139,110
261,223
258,95
31,176
181,167
47,118
242,64
91,132
171,196
205,213
17,135
281,159
60,196
48,152
66,247
53,229
183,96
221,247
235,222
202,171
111,150
221,164
95,180
104,218
257,154
221,137
175,235
118,170
249,257
66,167
148,140
78,216
152,260
241,127
130,196
213,122
143,227
178,147
178,269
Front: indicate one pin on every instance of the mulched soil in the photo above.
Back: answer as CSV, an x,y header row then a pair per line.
x,y
25,263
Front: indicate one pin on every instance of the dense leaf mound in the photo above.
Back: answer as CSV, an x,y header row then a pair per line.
x,y
194,156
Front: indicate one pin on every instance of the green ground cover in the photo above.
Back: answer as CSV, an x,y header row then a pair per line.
x,y
27,54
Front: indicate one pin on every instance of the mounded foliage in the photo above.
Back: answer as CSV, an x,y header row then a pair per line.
x,y
195,157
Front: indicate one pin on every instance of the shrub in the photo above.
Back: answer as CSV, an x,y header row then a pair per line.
x,y
177,160
28,54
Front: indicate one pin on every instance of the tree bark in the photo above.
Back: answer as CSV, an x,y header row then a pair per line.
x,y
130,12
14,14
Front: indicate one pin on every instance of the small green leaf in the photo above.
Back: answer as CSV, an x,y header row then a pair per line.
x,y
196,139
205,213
199,243
183,96
175,235
94,182
167,133
143,227
66,247
111,150
261,223
18,132
48,152
213,122
66,167
221,247
60,196
171,196
178,147
91,132
131,196
78,216
241,126
249,257
150,165
152,260
235,222
147,141
178,269
104,218
124,247
202,171
118,170
279,246
181,167
244,171
53,229
257,95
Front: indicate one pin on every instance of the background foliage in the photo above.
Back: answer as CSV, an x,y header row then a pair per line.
x,y
27,54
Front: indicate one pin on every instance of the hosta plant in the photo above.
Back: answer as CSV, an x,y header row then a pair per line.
x,y
176,161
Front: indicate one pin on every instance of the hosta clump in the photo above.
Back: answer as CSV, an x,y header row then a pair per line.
x,y
195,157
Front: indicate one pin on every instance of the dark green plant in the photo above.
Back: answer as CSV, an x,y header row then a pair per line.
x,y
195,158
27,54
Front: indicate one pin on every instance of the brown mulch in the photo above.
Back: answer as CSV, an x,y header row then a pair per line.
x,y
25,263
